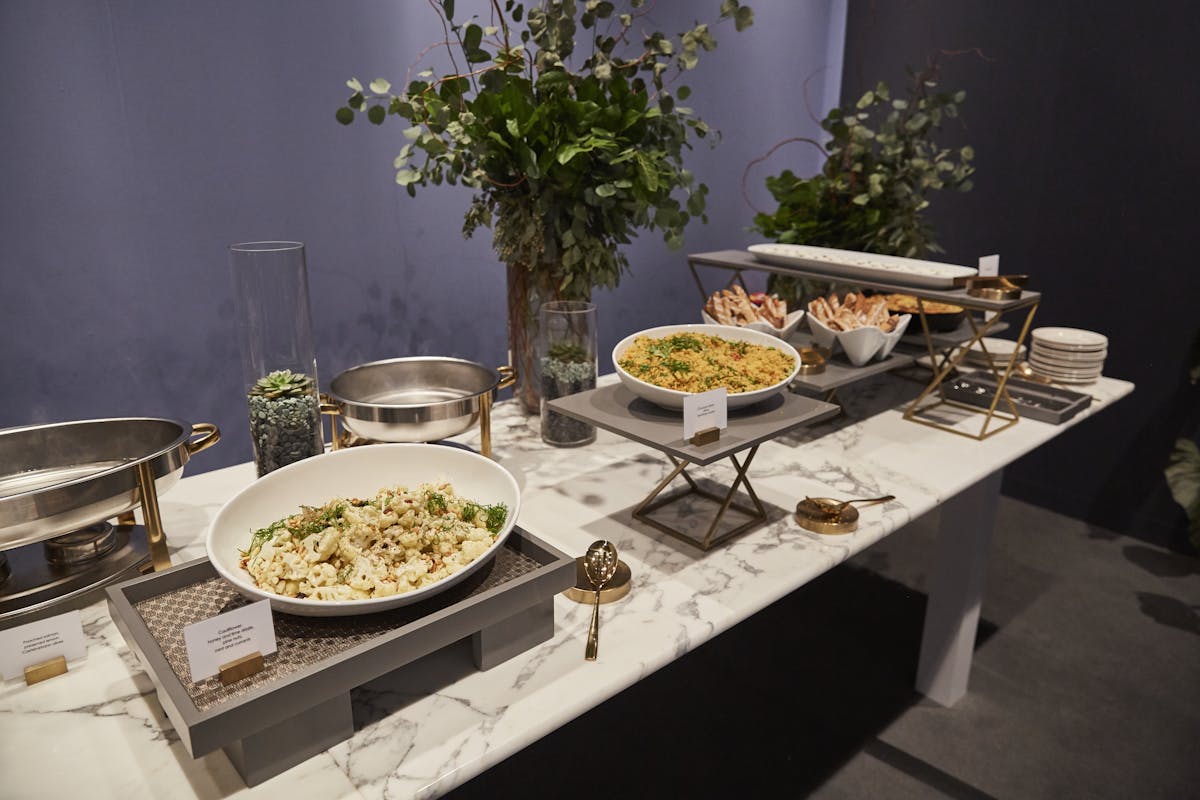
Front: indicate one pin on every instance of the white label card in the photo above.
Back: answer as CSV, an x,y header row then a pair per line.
x,y
989,266
41,641
705,410
227,637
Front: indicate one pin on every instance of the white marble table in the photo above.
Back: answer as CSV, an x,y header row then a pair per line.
x,y
98,731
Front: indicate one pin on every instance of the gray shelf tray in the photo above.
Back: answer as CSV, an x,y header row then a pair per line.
x,y
615,408
839,371
299,705
744,260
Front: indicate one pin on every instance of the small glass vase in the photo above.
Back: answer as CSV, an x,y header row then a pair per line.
x,y
279,363
567,363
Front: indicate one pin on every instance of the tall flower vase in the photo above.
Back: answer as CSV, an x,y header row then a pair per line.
x,y
567,360
279,361
527,291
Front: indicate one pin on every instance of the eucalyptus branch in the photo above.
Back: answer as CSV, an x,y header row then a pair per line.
x,y
768,154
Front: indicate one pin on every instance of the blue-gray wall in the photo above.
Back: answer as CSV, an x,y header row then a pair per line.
x,y
140,139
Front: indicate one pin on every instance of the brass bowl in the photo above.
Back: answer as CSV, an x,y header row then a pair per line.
x,y
814,514
999,287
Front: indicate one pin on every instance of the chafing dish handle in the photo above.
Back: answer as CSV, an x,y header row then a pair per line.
x,y
333,411
209,435
508,376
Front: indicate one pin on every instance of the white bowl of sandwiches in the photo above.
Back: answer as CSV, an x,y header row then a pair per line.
x,y
758,312
861,326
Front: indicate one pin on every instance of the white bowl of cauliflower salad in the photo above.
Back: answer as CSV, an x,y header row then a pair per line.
x,y
364,529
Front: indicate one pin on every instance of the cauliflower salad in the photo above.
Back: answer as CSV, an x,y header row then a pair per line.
x,y
353,549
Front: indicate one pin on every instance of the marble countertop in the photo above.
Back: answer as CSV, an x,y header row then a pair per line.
x,y
99,731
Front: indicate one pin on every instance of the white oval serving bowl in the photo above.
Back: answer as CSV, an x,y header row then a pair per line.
x,y
859,344
672,398
791,322
354,472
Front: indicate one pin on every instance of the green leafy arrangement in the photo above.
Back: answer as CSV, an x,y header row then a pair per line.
x,y
881,164
568,162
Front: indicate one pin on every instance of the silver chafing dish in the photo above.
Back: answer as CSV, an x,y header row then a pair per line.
x,y
60,482
416,399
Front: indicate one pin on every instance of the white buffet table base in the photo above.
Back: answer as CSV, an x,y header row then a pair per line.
x,y
423,733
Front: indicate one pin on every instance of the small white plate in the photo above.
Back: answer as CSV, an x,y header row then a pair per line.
x,y
1001,351
1066,363
1070,338
1066,373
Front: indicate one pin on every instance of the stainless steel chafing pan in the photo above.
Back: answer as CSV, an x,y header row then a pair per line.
x,y
417,399
60,477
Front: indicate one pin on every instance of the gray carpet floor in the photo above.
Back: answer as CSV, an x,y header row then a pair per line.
x,y
1086,683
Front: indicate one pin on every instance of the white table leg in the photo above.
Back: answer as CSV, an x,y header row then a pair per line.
x,y
956,591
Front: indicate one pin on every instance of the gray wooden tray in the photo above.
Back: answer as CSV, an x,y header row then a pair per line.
x,y
299,705
1033,400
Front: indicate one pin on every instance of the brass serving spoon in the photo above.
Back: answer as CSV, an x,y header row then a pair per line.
x,y
599,564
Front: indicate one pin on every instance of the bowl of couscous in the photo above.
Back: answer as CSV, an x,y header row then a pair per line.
x,y
670,362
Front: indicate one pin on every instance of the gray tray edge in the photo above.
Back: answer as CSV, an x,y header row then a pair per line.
x,y
205,731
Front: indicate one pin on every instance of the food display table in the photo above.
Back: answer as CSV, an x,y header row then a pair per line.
x,y
437,722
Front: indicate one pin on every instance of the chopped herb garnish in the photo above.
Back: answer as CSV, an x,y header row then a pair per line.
x,y
495,516
435,503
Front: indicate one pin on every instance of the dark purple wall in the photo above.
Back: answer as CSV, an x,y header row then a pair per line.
x,y
141,139
1083,118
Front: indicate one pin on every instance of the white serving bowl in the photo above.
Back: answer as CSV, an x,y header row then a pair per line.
x,y
859,344
672,398
791,322
354,472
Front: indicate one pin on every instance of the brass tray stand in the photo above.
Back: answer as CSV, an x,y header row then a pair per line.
x,y
945,362
1002,303
654,502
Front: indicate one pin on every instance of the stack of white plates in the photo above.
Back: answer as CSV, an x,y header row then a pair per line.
x,y
1068,355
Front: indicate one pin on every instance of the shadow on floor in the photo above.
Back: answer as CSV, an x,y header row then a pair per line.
x,y
776,704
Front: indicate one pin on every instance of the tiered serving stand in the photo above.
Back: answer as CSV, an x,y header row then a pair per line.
x,y
943,359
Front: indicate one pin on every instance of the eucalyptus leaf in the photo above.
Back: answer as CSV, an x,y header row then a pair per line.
x,y
572,147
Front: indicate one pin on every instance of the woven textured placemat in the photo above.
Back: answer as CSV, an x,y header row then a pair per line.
x,y
301,641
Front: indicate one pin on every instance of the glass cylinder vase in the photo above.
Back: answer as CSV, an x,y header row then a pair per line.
x,y
567,363
279,363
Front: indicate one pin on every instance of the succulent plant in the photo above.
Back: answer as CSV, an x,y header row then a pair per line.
x,y
282,383
568,352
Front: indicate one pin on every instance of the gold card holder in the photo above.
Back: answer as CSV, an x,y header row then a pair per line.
x,y
241,668
36,673
706,436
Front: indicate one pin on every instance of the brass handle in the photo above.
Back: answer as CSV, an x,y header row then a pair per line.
x,y
329,407
209,435
508,376
593,640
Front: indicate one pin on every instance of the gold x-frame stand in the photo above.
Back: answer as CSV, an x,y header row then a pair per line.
x,y
653,502
944,362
